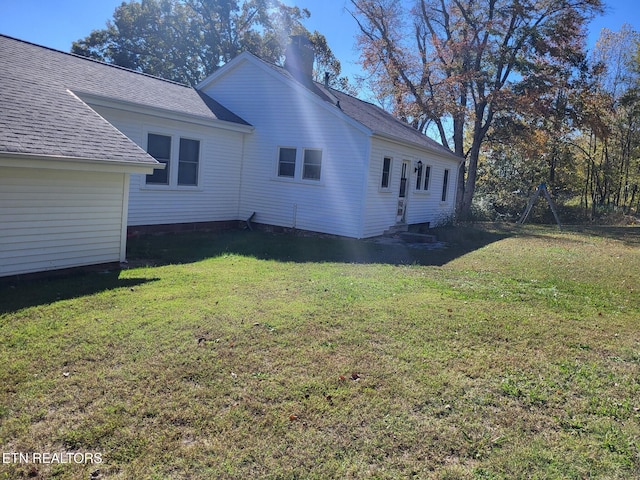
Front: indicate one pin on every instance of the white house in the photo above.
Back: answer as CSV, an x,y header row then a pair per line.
x,y
325,161
88,150
64,170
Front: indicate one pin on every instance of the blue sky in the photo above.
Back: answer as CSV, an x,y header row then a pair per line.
x,y
58,23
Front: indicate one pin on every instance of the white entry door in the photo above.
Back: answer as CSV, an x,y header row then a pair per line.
x,y
402,196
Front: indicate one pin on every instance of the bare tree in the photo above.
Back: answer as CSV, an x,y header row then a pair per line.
x,y
454,64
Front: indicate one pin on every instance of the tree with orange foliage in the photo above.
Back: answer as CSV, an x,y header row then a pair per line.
x,y
451,66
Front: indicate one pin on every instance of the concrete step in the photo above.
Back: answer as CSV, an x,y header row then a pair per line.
x,y
397,228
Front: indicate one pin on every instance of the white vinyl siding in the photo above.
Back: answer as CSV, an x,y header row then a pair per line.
x,y
220,158
290,117
59,219
380,205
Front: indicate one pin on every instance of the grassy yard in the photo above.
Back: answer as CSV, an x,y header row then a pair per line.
x,y
513,353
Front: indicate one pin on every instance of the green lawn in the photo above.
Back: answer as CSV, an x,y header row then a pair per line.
x,y
512,353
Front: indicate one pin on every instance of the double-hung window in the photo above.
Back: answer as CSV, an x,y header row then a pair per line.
x,y
386,173
159,147
445,185
188,162
423,176
312,164
287,162
419,170
166,151
427,176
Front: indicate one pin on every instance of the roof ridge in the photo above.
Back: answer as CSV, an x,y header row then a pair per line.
x,y
99,62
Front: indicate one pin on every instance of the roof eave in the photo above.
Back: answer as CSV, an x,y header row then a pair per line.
x,y
108,102
59,162
442,153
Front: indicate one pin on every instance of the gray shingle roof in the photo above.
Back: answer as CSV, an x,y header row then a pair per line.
x,y
381,122
40,115
374,118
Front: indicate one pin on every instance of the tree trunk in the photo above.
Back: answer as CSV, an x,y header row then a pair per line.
x,y
480,128
470,183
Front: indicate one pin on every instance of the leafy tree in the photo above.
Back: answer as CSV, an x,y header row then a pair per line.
x,y
186,40
610,135
581,135
158,37
454,65
533,140
518,155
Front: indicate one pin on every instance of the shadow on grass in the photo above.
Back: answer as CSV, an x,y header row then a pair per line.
x,y
192,247
17,295
186,248
628,235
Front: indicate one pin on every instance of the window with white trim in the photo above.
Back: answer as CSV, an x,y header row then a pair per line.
x,y
287,162
423,176
445,185
159,147
427,177
312,164
386,172
188,161
181,160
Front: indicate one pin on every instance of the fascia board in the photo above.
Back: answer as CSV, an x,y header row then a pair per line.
x,y
53,162
108,102
452,157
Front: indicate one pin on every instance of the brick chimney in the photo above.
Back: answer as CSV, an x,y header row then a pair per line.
x,y
299,58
